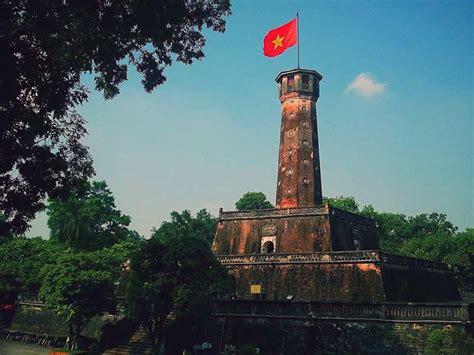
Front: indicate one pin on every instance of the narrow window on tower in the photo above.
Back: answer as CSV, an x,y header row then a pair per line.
x,y
305,83
291,83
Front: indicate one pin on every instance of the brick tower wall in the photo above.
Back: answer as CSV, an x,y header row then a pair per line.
x,y
299,175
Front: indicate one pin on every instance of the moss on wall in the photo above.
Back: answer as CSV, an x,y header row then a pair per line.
x,y
344,282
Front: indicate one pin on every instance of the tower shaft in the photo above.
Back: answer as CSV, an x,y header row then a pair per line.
x,y
299,174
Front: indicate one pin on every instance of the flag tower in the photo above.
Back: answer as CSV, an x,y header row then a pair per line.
x,y
299,173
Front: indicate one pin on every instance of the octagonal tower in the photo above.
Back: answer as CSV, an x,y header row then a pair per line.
x,y
299,173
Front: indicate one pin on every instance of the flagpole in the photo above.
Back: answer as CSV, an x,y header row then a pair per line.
x,y
298,34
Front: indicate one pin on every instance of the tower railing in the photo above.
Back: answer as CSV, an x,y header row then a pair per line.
x,y
319,210
275,212
359,256
401,312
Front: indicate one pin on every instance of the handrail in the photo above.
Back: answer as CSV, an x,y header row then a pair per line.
x,y
319,210
330,257
434,312
274,212
345,256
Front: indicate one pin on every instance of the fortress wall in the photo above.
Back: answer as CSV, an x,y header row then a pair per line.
x,y
415,284
346,228
294,234
331,282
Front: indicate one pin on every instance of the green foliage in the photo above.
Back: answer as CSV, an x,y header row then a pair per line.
x,y
118,253
40,145
427,236
395,228
247,350
184,225
181,276
21,260
348,204
9,288
78,286
253,201
430,224
457,250
88,219
448,342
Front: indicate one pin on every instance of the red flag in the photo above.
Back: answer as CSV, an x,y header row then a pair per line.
x,y
280,39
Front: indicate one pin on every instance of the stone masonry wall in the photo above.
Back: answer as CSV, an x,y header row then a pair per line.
x,y
295,234
341,282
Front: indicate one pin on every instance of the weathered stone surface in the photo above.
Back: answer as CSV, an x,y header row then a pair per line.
x,y
327,229
350,281
417,284
299,171
352,232
293,234
344,282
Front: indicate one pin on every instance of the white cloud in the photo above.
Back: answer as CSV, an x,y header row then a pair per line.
x,y
365,86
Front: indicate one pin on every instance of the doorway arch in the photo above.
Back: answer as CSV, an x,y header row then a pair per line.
x,y
268,247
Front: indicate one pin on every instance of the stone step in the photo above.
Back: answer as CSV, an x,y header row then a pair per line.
x,y
127,351
138,343
131,352
133,343
132,347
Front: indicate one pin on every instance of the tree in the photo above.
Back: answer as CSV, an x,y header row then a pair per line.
x,y
396,228
182,277
88,219
430,224
448,341
184,225
78,286
393,228
21,261
456,250
348,204
46,47
253,201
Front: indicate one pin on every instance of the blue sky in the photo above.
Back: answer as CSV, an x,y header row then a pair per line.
x,y
401,139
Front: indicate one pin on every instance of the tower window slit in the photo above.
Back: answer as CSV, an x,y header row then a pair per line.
x,y
291,83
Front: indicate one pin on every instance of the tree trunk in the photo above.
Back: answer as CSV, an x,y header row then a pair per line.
x,y
77,333
156,336
69,339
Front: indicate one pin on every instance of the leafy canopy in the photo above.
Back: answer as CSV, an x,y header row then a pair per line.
x,y
344,203
78,286
456,250
88,219
184,225
253,201
46,46
181,276
21,261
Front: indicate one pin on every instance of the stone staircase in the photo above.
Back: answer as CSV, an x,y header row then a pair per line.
x,y
137,344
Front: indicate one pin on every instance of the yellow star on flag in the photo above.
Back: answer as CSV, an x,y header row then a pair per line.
x,y
278,42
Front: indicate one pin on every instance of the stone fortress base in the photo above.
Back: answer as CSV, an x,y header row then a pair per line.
x,y
330,255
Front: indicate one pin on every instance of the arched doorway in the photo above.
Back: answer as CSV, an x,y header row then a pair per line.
x,y
268,247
